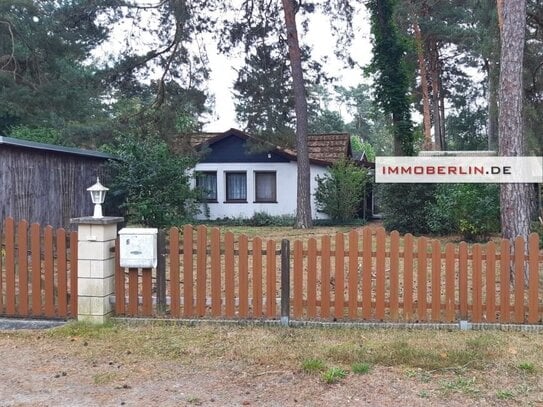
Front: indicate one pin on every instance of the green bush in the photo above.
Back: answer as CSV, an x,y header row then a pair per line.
x,y
537,227
404,206
339,193
261,219
258,219
46,135
150,183
473,210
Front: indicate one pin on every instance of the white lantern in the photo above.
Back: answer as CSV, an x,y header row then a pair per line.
x,y
98,196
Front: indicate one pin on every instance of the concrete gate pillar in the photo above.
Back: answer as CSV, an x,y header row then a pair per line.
x,y
95,267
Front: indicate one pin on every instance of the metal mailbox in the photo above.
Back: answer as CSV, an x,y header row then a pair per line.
x,y
138,247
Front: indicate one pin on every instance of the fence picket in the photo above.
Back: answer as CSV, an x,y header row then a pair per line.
x,y
367,265
325,277
243,269
533,281
463,279
436,281
380,238
22,243
188,270
476,290
490,282
10,266
422,265
518,314
339,297
394,274
271,260
216,283
353,274
201,278
408,276
35,247
49,272
229,282
312,278
120,292
257,277
449,283
62,276
298,271
133,299
175,305
147,292
73,273
505,280
1,270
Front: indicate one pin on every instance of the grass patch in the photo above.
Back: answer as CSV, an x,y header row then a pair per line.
x,y
527,367
196,401
313,365
475,352
459,384
361,368
345,352
334,375
504,395
85,330
104,378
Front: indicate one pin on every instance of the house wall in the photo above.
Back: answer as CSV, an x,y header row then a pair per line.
x,y
286,179
45,187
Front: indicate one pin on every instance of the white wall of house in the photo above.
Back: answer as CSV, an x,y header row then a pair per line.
x,y
286,178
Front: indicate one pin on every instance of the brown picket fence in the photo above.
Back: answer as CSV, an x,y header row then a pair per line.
x,y
364,275
206,275
38,271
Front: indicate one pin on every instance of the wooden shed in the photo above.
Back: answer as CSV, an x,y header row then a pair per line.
x,y
46,183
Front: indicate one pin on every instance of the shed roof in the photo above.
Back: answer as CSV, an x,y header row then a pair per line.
x,y
323,148
9,141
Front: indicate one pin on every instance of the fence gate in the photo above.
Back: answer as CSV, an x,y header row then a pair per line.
x,y
38,271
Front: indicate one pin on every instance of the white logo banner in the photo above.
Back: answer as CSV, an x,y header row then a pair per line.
x,y
459,169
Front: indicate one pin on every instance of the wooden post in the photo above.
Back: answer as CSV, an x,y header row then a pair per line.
x,y
285,281
161,272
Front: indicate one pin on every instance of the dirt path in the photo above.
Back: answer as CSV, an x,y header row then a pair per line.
x,y
41,371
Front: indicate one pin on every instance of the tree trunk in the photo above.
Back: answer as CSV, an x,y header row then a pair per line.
x,y
427,120
514,198
493,86
443,141
303,206
499,8
436,112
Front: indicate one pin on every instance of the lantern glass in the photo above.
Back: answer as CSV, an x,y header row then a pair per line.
x,y
98,196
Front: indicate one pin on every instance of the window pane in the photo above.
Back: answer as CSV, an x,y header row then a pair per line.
x,y
236,187
265,186
207,182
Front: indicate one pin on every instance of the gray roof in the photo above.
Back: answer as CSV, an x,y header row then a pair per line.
x,y
9,141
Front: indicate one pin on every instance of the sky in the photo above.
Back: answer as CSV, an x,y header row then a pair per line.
x,y
319,37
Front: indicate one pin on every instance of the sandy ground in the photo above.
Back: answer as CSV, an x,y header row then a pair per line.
x,y
37,370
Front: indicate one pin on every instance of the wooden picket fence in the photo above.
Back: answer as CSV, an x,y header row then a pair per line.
x,y
38,271
364,275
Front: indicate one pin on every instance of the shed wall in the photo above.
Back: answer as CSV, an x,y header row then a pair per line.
x,y
45,187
